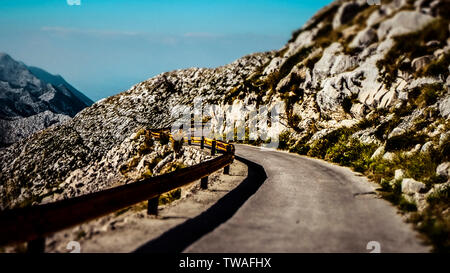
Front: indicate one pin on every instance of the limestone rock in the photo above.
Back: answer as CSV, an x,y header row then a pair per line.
x,y
411,186
399,174
444,107
426,147
443,169
421,62
14,130
389,156
419,199
364,38
403,22
378,152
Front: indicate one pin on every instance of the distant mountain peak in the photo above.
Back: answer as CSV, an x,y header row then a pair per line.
x,y
29,91
58,80
4,55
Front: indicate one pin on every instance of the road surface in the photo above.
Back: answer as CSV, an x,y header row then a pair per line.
x,y
307,205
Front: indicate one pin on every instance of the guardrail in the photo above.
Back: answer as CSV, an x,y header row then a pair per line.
x,y
33,224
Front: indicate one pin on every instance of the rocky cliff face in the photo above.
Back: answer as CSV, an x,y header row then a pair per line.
x,y
32,99
360,85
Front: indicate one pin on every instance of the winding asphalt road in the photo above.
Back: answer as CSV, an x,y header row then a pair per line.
x,y
307,205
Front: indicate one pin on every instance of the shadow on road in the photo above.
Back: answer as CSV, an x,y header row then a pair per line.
x,y
183,235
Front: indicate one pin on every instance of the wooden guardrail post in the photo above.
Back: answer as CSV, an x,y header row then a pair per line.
x,y
202,143
152,206
213,148
228,149
226,169
204,183
36,246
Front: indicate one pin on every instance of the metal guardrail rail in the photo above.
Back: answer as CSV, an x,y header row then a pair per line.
x,y
33,224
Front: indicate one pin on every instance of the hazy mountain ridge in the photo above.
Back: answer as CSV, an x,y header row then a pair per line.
x,y
33,98
57,80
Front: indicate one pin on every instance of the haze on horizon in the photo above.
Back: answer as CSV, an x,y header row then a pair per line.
x,y
104,47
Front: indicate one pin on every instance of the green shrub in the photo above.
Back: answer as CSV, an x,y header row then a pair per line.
x,y
352,153
341,152
284,139
404,110
171,167
301,149
146,147
362,162
405,205
140,132
379,169
421,166
320,147
385,185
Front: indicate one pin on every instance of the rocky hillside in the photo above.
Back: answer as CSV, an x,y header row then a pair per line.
x,y
139,156
365,86
99,137
33,99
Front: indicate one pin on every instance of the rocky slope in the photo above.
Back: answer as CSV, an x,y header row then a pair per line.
x,y
33,168
139,156
363,86
33,99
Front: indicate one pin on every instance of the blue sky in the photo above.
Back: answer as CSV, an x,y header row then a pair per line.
x,y
104,47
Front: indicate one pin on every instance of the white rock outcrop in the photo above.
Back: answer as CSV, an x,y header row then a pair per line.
x,y
411,186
